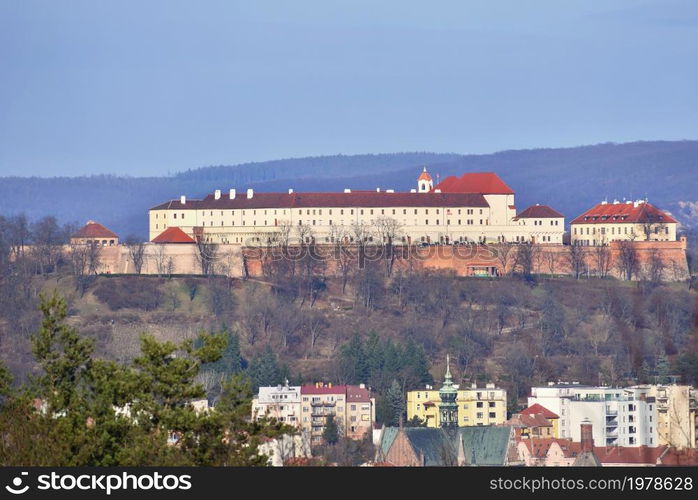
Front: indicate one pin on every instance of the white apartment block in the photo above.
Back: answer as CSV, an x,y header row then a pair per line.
x,y
282,402
473,208
619,416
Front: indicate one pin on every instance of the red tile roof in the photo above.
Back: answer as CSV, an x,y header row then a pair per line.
x,y
357,394
362,199
424,176
173,235
335,389
605,213
629,454
537,408
535,420
476,182
538,212
94,230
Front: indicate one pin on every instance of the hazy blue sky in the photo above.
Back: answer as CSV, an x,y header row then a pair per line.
x,y
147,87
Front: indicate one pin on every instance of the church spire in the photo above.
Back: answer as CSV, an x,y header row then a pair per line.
x,y
448,408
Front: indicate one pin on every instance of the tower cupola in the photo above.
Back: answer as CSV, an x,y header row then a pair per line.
x,y
424,182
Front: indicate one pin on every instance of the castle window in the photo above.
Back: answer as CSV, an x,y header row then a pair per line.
x,y
175,216
341,212
426,222
182,216
404,211
371,211
415,211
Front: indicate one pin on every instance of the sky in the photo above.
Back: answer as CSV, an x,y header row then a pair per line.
x,y
150,88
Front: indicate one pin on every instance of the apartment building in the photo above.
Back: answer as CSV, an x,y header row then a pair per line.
x,y
619,416
477,406
282,402
353,409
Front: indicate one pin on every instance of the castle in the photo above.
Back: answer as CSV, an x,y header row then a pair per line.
x,y
473,208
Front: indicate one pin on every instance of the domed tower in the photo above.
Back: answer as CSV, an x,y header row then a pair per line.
x,y
448,408
424,182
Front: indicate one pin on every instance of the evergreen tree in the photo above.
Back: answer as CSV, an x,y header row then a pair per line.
x,y
265,370
353,362
395,398
98,413
662,369
330,434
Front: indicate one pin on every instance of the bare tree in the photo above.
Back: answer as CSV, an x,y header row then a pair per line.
x,y
361,233
576,256
655,266
505,254
628,261
387,230
550,257
343,256
160,258
47,238
136,252
524,258
315,324
206,255
602,260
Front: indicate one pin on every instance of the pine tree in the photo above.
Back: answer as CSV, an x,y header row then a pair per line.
x,y
395,399
330,433
265,370
662,369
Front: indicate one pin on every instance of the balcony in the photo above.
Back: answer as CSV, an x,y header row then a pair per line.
x,y
323,403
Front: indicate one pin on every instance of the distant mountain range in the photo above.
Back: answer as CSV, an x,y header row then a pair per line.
x,y
568,179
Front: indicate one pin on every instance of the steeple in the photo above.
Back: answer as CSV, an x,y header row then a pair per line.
x,y
424,182
448,408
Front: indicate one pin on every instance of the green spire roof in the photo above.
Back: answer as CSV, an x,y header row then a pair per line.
x,y
447,387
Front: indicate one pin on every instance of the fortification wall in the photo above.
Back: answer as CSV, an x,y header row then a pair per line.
x,y
463,260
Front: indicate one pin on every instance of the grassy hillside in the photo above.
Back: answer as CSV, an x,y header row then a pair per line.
x,y
512,332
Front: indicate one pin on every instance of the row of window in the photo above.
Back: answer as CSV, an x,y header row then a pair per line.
x,y
318,211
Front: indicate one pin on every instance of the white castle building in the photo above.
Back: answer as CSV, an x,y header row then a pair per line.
x,y
473,208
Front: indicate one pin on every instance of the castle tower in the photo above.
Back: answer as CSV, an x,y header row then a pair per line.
x,y
424,182
448,408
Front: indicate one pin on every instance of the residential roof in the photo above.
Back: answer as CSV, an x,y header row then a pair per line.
x,y
173,235
474,182
539,212
629,454
358,394
485,445
587,459
325,389
532,420
94,230
608,213
538,408
363,199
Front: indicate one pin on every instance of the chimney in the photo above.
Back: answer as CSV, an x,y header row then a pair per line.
x,y
413,190
217,194
587,439
437,190
389,190
232,194
250,193
378,190
183,199
290,190
347,190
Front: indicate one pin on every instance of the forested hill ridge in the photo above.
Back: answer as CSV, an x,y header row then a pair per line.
x,y
569,179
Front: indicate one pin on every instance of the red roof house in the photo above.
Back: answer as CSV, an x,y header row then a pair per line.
x,y
173,235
